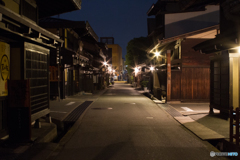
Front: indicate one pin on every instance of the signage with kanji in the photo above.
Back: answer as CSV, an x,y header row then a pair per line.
x,y
4,68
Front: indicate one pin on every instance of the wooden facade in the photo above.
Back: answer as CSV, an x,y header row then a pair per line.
x,y
195,84
219,88
81,55
71,56
190,73
190,70
224,65
195,72
176,86
29,49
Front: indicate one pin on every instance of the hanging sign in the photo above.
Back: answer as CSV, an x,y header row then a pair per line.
x,y
4,68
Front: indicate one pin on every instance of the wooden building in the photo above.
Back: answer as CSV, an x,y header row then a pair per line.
x,y
190,70
69,57
181,74
80,58
25,49
224,88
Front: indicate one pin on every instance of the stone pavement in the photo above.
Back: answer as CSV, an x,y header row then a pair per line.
x,y
208,127
124,124
121,123
41,145
196,118
61,109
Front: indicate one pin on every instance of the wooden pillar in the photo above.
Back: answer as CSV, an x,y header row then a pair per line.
x,y
168,75
234,79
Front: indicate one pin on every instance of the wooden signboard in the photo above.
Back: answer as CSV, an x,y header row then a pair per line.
x,y
4,67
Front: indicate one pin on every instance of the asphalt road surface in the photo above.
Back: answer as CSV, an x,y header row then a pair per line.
x,y
122,124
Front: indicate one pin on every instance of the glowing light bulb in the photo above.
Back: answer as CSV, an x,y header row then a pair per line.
x,y
157,54
136,70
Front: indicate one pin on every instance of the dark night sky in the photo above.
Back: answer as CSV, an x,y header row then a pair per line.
x,y
121,19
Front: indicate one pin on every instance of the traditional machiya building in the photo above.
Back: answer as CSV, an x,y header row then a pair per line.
x,y
80,57
68,60
25,48
181,74
224,65
96,70
104,70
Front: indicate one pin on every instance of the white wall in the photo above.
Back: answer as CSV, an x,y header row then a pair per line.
x,y
180,23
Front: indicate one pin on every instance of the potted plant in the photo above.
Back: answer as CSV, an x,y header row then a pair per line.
x,y
144,85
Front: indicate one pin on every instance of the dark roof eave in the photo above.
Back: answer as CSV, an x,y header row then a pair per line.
x,y
217,44
149,12
190,6
12,36
61,23
49,8
7,12
171,39
81,27
154,9
91,31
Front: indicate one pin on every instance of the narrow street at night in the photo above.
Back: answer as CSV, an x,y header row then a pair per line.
x,y
119,80
124,124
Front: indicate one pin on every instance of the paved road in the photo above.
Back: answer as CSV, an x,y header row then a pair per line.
x,y
124,125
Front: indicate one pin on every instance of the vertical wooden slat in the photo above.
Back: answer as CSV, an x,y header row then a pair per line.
x,y
207,83
195,75
183,83
195,83
176,85
186,83
190,84
168,75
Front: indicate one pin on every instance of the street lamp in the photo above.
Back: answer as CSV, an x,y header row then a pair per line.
x,y
157,54
136,70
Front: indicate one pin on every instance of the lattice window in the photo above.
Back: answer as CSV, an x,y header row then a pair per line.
x,y
36,69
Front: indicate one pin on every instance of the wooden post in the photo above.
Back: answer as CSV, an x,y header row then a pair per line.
x,y
237,126
231,124
168,75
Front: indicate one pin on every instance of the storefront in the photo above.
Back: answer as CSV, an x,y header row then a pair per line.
x,y
24,51
224,75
